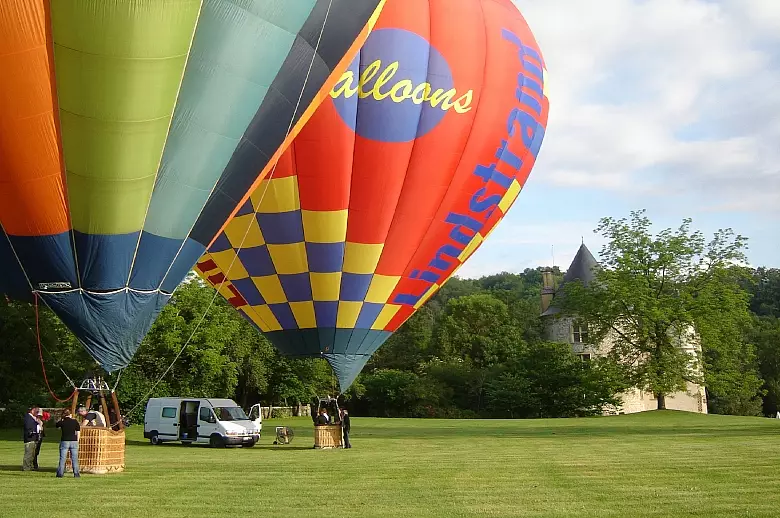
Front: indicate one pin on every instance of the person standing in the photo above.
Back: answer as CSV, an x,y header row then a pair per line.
x,y
39,416
69,443
31,434
345,426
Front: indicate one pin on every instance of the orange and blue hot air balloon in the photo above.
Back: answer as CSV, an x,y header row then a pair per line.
x,y
129,127
426,142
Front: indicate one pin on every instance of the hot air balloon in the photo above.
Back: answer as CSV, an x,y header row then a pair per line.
x,y
123,126
426,142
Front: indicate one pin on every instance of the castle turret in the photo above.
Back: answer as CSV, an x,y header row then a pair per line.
x,y
582,268
548,289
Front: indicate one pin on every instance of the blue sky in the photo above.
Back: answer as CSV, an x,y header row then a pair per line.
x,y
668,105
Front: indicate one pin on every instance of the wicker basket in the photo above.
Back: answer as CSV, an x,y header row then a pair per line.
x,y
328,436
101,451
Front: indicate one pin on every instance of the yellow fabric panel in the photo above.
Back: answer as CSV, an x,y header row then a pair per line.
x,y
473,244
241,237
277,195
267,316
385,316
325,226
428,294
304,314
325,286
270,288
224,290
231,266
289,259
348,314
361,258
254,317
509,197
381,288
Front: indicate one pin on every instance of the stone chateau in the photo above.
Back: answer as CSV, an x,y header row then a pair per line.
x,y
569,330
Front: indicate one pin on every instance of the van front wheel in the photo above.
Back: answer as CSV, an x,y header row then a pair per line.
x,y
216,441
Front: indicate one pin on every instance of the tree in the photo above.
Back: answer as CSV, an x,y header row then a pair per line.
x,y
550,381
22,382
654,294
479,329
766,337
408,347
766,292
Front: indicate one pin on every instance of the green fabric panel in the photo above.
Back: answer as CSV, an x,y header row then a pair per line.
x,y
238,50
118,66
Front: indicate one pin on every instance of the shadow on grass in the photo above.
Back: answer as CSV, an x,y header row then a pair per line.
x,y
647,424
272,447
18,467
584,431
132,442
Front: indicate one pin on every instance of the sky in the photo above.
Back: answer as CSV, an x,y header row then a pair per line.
x,y
667,105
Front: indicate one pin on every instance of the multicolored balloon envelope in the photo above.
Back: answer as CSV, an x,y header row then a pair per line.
x,y
129,127
426,142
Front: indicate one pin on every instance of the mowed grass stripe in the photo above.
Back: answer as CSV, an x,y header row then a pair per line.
x,y
642,465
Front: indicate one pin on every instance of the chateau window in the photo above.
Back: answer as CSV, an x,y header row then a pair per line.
x,y
580,332
584,357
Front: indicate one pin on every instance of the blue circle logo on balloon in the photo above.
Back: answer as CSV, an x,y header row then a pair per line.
x,y
398,88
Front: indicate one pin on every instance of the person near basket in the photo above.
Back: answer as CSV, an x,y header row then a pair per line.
x,y
92,418
31,436
42,417
69,443
345,427
323,418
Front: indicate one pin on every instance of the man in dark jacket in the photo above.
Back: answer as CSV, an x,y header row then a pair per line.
x,y
31,435
345,426
69,443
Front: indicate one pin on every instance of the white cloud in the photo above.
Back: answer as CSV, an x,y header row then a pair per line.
x,y
669,105
663,96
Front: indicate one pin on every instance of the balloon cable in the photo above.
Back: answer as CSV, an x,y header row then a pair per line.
x,y
43,365
246,233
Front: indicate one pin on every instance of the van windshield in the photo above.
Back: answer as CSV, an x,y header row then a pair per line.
x,y
225,413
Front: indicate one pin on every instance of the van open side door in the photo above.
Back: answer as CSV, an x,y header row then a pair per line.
x,y
256,416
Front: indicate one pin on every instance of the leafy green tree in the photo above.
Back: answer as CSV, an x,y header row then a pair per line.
x,y
549,381
724,324
394,393
766,292
479,329
21,373
766,337
652,293
465,383
410,346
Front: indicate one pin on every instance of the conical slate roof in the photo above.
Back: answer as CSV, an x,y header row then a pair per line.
x,y
581,268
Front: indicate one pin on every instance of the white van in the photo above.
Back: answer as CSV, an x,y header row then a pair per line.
x,y
218,422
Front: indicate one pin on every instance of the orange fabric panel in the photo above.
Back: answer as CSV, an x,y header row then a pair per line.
x,y
32,192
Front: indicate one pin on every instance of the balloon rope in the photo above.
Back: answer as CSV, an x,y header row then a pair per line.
x,y
246,233
43,366
119,377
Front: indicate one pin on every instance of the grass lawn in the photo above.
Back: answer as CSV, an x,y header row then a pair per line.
x,y
641,465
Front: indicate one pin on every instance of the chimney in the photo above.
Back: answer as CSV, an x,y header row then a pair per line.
x,y
547,289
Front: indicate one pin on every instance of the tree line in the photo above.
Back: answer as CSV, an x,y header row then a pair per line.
x,y
476,349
